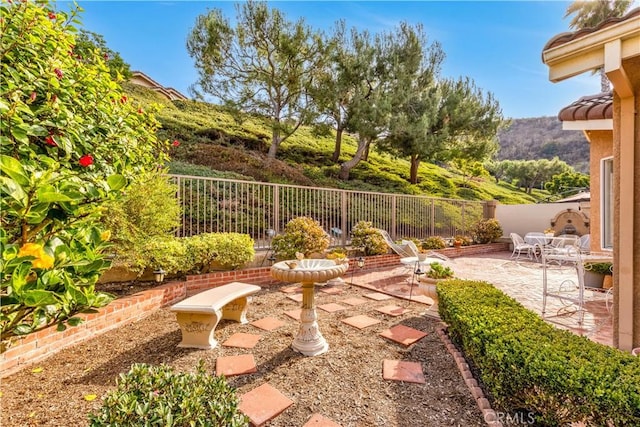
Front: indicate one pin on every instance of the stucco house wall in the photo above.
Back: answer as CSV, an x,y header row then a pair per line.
x,y
601,146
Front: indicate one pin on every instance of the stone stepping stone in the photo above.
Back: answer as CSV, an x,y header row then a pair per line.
x,y
393,310
398,370
263,403
331,290
236,365
268,323
377,296
294,314
403,334
361,321
242,340
295,297
354,301
332,307
318,420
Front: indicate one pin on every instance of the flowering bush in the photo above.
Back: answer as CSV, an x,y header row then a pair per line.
x,y
302,234
69,141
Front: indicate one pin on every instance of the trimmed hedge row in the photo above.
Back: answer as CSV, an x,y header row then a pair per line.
x,y
527,365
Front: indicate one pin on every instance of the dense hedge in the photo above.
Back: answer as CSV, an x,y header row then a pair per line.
x,y
527,365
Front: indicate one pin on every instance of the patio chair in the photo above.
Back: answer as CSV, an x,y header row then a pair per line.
x,y
584,243
520,246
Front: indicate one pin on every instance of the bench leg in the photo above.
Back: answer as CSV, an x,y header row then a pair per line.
x,y
237,310
198,329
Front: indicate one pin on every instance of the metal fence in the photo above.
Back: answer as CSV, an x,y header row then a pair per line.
x,y
261,210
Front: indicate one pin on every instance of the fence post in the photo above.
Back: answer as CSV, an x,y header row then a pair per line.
x,y
343,216
489,209
432,231
464,224
276,208
393,230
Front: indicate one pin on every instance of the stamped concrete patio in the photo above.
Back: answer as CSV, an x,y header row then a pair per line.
x,y
521,280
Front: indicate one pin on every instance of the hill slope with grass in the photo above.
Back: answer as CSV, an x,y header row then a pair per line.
x,y
213,143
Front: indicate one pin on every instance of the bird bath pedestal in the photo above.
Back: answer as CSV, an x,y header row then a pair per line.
x,y
308,272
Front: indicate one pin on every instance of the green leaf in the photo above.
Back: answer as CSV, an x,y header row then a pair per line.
x,y
23,329
74,321
13,168
116,182
39,297
52,197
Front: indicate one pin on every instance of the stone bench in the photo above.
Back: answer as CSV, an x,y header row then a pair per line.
x,y
199,314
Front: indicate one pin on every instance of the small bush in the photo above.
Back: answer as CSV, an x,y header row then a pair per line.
x,y
433,242
365,236
599,267
302,234
464,240
439,271
487,230
156,395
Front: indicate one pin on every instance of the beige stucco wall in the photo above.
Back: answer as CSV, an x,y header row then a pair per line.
x,y
623,241
522,219
601,146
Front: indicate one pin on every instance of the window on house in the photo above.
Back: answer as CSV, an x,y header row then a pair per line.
x,y
606,208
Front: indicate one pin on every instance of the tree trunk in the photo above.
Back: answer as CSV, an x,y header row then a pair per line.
x,y
275,143
346,167
413,174
365,155
338,148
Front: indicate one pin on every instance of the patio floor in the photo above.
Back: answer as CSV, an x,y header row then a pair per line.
x,y
521,280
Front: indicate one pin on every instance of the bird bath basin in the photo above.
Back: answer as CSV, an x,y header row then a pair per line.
x,y
308,272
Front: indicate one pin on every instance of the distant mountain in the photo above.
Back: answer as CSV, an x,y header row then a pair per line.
x,y
543,138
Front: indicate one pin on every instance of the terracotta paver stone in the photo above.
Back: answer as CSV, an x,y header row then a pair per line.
x,y
354,301
295,297
332,307
318,420
361,321
403,334
377,296
331,290
263,404
291,289
236,365
397,370
393,310
268,323
242,340
294,314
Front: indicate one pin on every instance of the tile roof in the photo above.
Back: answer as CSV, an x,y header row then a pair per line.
x,y
563,38
591,107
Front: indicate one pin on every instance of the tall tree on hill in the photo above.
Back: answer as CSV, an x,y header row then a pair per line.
x,y
451,120
265,65
530,174
345,79
588,14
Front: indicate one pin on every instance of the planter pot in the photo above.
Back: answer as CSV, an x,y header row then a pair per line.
x,y
427,287
607,283
593,280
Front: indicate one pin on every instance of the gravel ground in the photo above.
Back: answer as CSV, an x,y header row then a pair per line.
x,y
345,384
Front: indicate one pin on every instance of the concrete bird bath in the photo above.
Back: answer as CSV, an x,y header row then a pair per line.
x,y
308,272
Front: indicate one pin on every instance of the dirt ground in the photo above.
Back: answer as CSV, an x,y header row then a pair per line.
x,y
345,384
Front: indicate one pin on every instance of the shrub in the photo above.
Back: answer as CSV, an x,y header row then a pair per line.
x,y
528,365
439,271
149,210
156,395
487,230
233,250
599,267
433,242
464,240
368,238
70,141
302,234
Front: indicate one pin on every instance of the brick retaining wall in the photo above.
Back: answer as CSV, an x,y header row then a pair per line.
x,y
39,345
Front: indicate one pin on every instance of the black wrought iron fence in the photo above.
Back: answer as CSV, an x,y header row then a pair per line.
x,y
263,209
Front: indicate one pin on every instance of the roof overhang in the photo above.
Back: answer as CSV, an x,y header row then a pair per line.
x,y
602,124
591,51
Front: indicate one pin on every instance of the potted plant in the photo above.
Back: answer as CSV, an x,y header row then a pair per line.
x,y
594,273
427,285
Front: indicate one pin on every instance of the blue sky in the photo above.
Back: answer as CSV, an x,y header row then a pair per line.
x,y
498,43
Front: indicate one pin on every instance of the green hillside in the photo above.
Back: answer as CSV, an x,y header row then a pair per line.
x,y
213,143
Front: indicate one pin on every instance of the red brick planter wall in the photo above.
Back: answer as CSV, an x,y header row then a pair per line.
x,y
44,343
